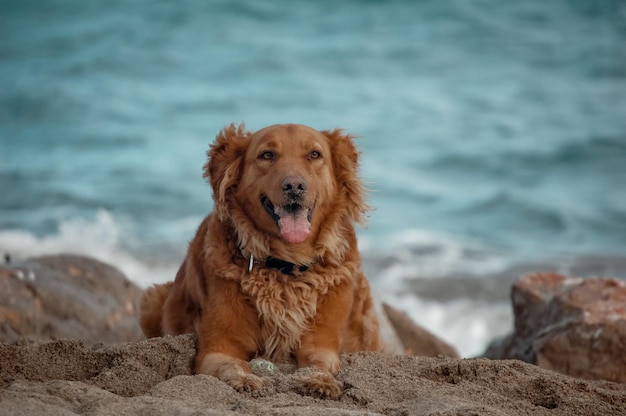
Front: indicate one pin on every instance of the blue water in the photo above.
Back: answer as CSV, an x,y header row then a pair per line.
x,y
484,125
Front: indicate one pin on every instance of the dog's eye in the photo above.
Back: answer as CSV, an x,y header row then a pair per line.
x,y
266,156
314,155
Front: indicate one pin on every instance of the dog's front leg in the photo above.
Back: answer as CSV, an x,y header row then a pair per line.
x,y
227,339
231,370
320,346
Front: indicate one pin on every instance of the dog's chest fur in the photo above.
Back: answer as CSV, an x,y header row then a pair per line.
x,y
286,308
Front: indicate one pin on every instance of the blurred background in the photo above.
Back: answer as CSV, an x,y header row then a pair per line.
x,y
493,133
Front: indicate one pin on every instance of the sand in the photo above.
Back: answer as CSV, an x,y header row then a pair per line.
x,y
154,377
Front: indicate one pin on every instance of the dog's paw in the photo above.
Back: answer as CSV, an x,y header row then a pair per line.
x,y
248,383
322,385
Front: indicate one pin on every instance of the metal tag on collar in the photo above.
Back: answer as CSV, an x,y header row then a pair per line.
x,y
251,263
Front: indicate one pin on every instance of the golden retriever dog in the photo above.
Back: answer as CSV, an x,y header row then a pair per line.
x,y
274,271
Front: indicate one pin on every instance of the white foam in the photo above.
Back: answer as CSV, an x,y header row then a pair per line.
x,y
423,254
100,238
466,324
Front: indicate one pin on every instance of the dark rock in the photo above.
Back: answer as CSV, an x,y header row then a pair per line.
x,y
570,325
65,296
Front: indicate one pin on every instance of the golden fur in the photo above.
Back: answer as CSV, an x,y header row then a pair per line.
x,y
287,192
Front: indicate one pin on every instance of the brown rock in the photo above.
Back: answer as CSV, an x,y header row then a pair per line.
x,y
570,325
415,339
67,297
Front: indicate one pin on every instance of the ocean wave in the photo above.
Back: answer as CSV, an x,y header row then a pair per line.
x,y
416,253
468,324
457,289
465,322
101,238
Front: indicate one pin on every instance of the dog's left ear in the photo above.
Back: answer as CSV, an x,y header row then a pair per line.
x,y
223,168
346,165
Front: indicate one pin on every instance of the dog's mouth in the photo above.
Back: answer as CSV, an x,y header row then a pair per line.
x,y
293,219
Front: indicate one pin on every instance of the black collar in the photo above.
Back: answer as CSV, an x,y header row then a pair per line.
x,y
284,267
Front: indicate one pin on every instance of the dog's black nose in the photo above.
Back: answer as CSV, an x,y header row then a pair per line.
x,y
294,187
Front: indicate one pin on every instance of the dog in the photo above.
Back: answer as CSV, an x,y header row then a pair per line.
x,y
274,271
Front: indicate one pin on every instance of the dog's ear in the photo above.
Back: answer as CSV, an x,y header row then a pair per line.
x,y
346,166
223,168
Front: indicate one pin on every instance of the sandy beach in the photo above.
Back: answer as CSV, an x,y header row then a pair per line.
x,y
154,377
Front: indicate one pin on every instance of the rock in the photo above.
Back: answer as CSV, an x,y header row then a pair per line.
x,y
261,367
416,339
67,297
570,325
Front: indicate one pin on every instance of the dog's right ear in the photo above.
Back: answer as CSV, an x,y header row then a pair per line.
x,y
223,168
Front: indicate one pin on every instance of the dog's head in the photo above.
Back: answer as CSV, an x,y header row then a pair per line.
x,y
286,183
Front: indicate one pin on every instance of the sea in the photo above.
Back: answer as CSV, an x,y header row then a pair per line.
x,y
493,134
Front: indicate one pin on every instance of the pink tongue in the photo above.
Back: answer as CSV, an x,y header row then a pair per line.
x,y
295,227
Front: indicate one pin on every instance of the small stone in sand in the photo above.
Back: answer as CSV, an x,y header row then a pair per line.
x,y
262,368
